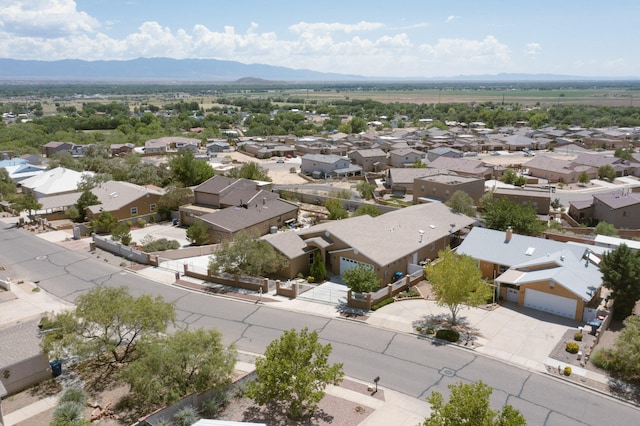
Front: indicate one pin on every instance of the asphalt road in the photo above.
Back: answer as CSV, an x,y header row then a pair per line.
x,y
405,363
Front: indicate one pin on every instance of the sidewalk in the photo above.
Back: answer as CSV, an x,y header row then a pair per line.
x,y
506,334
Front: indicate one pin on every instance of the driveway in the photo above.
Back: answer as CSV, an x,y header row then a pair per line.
x,y
518,335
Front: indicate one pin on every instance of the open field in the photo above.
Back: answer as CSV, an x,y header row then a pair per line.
x,y
207,95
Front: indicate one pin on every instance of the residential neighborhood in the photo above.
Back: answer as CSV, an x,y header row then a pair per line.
x,y
384,205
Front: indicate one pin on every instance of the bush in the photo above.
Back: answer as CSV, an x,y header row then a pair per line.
x,y
567,371
311,279
142,223
572,347
418,329
68,413
578,337
212,407
448,335
161,244
431,330
382,303
185,416
604,358
76,395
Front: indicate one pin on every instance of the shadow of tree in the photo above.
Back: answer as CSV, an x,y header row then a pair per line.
x,y
272,415
468,334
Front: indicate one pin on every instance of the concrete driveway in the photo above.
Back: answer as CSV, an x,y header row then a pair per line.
x,y
161,230
518,335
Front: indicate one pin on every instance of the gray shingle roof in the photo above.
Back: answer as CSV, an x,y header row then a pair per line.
x,y
390,236
235,219
19,342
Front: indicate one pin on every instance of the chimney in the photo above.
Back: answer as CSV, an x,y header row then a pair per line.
x,y
508,235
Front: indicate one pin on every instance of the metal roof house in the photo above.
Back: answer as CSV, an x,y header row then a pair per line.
x,y
537,273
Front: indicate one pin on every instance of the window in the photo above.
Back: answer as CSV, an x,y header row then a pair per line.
x,y
433,246
153,207
134,211
311,256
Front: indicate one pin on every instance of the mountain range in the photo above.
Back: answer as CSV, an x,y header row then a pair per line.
x,y
213,70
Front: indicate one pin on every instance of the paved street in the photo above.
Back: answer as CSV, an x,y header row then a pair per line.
x,y
405,363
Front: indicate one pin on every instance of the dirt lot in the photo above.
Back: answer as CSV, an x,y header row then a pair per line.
x,y
332,410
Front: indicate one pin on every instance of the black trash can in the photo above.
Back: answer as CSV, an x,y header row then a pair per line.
x,y
56,368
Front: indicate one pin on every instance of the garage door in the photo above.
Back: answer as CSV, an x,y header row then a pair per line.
x,y
562,306
346,264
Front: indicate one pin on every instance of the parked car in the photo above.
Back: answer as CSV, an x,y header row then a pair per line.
x,y
280,161
494,153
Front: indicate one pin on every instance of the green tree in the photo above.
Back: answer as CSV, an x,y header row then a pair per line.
x,y
198,233
462,202
26,202
469,405
457,281
7,185
626,351
122,233
625,154
418,164
173,198
247,255
607,172
604,228
109,322
86,199
369,209
170,367
509,176
250,170
361,279
104,223
620,270
336,211
318,269
366,189
294,373
584,178
189,171
502,213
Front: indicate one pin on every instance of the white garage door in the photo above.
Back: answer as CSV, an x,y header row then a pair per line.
x,y
346,264
558,305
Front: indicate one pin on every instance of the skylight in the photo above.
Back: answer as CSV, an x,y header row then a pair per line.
x,y
530,251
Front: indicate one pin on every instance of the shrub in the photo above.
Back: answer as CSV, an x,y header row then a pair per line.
x,y
160,244
572,347
212,407
448,335
142,223
577,337
603,358
76,395
567,371
382,303
418,329
68,413
431,330
311,279
185,416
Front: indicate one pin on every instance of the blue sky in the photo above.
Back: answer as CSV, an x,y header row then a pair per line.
x,y
420,38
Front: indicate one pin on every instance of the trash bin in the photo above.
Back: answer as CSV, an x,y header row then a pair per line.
x,y
56,368
174,221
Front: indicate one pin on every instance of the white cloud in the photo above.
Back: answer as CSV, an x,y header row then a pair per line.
x,y
532,49
44,18
56,30
321,27
450,19
466,53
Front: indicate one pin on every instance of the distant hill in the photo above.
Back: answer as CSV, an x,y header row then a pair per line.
x,y
212,70
158,69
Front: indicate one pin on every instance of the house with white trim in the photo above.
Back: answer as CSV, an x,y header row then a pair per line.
x,y
550,276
